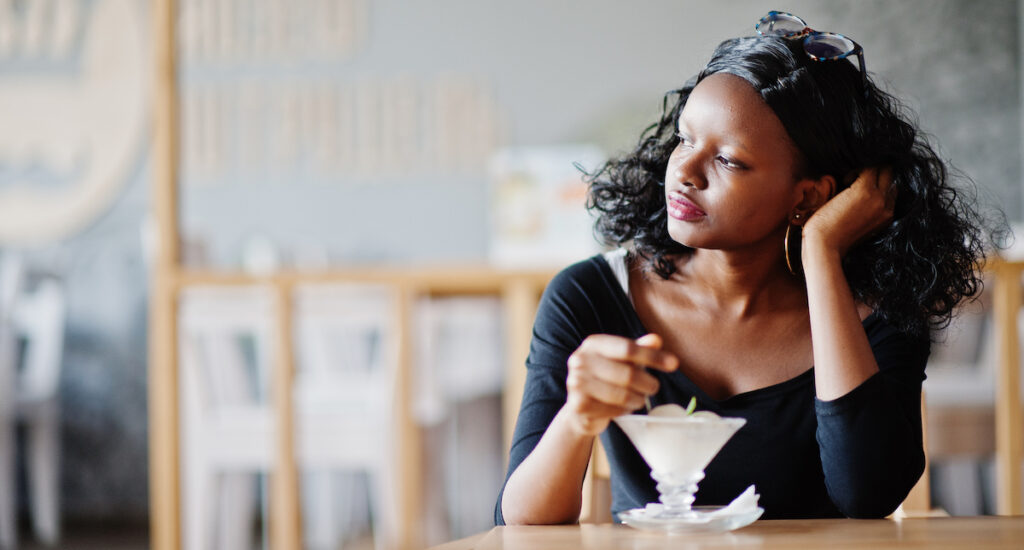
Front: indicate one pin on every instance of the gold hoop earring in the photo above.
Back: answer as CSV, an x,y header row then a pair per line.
x,y
794,265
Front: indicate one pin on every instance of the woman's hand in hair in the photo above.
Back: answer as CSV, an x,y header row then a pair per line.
x,y
854,213
607,378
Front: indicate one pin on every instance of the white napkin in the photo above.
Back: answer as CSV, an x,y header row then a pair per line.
x,y
746,502
743,504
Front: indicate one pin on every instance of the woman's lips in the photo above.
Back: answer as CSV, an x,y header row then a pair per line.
x,y
682,209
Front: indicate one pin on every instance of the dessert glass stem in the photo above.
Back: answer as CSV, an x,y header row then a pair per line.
x,y
677,494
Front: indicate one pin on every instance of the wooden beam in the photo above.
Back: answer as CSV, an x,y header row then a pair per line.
x,y
164,468
1009,423
519,297
285,512
409,446
469,279
164,473
166,135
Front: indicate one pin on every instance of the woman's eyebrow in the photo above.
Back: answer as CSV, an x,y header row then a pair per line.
x,y
740,147
737,146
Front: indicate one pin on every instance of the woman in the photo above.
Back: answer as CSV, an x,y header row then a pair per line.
x,y
790,240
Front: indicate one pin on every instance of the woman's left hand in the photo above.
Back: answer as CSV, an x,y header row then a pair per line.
x,y
854,213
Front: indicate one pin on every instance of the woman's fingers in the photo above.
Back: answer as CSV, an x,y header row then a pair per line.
x,y
871,200
876,181
631,351
608,377
622,374
868,177
856,213
650,341
592,389
889,188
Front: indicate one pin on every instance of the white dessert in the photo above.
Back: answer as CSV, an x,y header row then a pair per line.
x,y
668,410
676,444
671,410
705,414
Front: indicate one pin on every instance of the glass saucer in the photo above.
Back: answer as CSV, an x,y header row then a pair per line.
x,y
705,521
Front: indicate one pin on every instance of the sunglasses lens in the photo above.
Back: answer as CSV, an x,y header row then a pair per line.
x,y
828,45
781,24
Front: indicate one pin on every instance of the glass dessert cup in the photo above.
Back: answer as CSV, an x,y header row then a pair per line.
x,y
678,448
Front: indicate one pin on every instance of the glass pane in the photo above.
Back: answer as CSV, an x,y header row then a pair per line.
x,y
781,24
827,46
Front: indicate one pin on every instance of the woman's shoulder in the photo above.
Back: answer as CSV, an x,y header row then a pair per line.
x,y
588,291
589,274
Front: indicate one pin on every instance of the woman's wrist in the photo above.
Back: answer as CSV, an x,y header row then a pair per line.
x,y
815,250
571,425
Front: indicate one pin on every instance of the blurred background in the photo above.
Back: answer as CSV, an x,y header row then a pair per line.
x,y
320,135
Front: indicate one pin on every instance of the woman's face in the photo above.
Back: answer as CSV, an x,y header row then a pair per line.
x,y
731,181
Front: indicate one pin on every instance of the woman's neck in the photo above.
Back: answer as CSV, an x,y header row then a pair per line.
x,y
739,284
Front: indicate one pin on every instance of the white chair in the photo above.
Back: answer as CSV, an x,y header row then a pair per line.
x,y
345,389
344,394
29,394
458,378
225,346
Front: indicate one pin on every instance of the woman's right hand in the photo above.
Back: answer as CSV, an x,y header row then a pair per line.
x,y
607,378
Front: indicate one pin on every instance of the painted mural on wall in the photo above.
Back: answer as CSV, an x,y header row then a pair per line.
x,y
73,96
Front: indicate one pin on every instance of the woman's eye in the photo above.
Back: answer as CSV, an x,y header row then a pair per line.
x,y
683,140
729,163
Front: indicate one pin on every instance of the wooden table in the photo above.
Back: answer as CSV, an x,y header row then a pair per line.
x,y
878,534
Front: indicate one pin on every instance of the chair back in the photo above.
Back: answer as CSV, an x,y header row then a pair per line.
x,y
225,345
346,348
346,372
35,316
10,282
39,319
345,356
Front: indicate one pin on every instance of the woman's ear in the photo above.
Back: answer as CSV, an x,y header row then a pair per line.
x,y
812,194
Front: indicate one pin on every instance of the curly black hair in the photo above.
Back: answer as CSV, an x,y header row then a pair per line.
x,y
913,273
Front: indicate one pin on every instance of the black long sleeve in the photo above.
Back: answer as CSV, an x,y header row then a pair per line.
x,y
870,438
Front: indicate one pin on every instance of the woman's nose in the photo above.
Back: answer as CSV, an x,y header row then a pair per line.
x,y
689,173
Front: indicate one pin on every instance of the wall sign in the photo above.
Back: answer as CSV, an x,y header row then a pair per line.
x,y
73,112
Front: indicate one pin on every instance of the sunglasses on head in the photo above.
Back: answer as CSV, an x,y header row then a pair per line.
x,y
818,45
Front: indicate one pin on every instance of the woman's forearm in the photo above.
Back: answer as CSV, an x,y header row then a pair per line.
x,y
547,487
842,354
